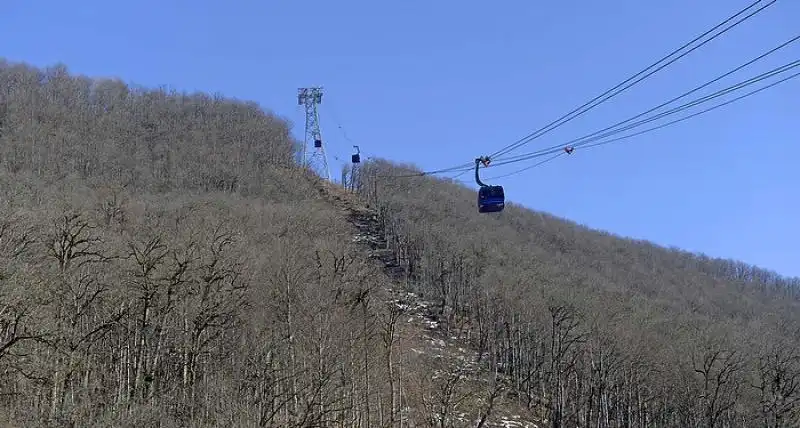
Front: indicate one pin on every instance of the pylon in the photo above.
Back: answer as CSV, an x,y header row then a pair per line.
x,y
314,156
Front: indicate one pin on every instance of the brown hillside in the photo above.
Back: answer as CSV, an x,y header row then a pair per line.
x,y
165,263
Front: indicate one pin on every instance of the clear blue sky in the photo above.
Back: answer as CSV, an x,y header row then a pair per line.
x,y
438,83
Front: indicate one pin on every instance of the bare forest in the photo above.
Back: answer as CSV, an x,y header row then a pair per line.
x,y
166,262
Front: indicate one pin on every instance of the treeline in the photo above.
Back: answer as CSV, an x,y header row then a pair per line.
x,y
591,329
58,125
165,264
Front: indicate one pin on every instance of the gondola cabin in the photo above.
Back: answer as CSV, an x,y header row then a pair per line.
x,y
317,143
491,199
356,158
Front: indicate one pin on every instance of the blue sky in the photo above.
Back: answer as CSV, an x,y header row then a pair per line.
x,y
437,83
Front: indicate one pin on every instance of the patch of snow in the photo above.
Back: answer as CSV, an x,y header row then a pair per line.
x,y
439,343
431,324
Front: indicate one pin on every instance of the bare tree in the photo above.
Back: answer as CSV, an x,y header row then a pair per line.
x,y
778,384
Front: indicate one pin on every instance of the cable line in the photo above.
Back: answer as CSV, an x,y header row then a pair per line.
x,y
782,69
592,137
491,198
619,88
552,158
586,140
664,125
558,150
693,90
740,97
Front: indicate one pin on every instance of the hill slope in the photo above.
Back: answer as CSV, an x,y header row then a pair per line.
x,y
593,329
165,263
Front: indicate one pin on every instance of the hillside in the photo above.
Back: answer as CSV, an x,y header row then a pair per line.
x,y
591,328
166,263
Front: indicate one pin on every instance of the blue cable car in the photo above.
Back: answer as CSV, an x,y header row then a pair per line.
x,y
491,199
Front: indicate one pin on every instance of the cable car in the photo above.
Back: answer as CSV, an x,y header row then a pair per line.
x,y
317,143
491,199
356,157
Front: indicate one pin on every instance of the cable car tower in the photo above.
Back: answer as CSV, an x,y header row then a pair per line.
x,y
315,158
